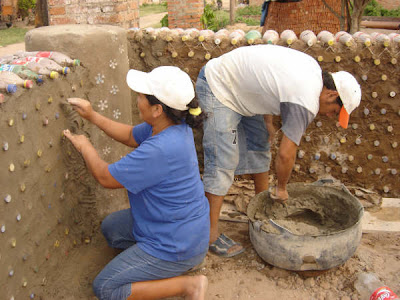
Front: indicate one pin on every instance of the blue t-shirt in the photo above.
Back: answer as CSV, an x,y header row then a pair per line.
x,y
170,211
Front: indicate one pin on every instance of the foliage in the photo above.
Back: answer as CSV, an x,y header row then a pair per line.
x,y
375,9
164,21
150,9
12,35
208,16
251,10
24,6
247,21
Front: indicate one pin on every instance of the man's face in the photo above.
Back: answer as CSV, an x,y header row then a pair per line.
x,y
328,106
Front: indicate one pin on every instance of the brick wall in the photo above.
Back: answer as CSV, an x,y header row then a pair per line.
x,y
389,4
185,13
300,16
111,12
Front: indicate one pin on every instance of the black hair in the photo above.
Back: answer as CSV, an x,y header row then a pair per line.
x,y
177,116
330,85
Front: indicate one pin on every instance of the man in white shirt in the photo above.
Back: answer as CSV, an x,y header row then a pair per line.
x,y
240,91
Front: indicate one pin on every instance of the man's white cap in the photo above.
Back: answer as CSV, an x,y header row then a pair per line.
x,y
168,84
349,92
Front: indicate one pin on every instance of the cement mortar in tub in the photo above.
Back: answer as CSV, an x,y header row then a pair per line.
x,y
319,227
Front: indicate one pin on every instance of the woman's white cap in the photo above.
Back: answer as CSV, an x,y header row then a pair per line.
x,y
349,92
168,84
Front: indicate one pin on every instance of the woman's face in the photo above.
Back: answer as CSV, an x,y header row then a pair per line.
x,y
145,112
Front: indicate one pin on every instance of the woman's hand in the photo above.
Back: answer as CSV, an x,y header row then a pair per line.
x,y
79,141
83,107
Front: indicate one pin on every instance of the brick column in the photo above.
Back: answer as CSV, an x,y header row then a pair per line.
x,y
117,12
307,14
185,13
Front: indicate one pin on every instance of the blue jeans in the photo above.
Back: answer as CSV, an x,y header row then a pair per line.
x,y
232,143
133,264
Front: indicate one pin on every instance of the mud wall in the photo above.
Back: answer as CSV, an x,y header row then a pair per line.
x,y
365,155
51,205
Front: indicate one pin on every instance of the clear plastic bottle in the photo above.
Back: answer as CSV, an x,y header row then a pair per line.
x,y
326,37
58,57
308,37
362,37
369,286
288,36
381,38
11,78
345,38
394,37
220,35
45,63
35,67
271,37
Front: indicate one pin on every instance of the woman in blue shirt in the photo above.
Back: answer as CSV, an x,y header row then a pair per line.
x,y
165,232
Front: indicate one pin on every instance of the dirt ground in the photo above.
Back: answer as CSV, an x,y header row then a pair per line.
x,y
246,276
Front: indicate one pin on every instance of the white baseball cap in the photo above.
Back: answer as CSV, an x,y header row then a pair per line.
x,y
168,84
349,92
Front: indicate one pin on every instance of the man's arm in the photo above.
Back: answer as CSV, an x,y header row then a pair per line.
x,y
284,162
268,120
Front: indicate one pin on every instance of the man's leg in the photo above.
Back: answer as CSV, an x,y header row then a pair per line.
x,y
261,182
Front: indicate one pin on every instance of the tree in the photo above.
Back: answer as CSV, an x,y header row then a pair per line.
x,y
357,10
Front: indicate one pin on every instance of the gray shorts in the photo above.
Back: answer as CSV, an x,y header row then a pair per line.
x,y
233,144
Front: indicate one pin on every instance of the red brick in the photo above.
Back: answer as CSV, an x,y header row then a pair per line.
x,y
54,11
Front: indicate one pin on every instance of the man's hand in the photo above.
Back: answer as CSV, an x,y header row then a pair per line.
x,y
79,141
83,107
280,195
268,120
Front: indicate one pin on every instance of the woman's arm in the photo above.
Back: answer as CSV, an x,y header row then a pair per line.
x,y
118,131
97,167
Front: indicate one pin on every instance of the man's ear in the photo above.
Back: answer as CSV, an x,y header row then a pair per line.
x,y
332,95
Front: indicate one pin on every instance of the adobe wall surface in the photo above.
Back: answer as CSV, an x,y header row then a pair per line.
x,y
56,200
375,67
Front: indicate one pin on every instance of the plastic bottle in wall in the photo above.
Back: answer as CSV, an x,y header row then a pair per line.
x,y
205,33
11,78
363,38
308,37
370,287
220,35
35,67
236,36
9,88
394,37
345,38
22,72
252,35
326,37
381,38
271,37
288,36
58,57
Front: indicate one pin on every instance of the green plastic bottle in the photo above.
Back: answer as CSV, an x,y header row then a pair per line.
x,y
252,35
22,72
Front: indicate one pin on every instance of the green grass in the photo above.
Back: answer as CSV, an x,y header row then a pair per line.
x,y
12,35
150,9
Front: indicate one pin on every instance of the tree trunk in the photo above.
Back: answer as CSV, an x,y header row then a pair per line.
x,y
356,16
42,14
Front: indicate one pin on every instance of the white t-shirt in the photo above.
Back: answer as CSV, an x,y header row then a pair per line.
x,y
268,79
